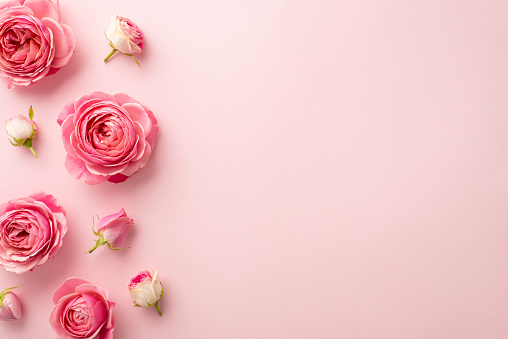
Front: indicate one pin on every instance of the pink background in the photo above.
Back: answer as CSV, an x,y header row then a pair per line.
x,y
325,169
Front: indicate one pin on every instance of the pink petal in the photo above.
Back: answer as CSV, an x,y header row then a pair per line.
x,y
67,110
62,40
77,169
109,218
60,61
68,287
118,178
137,113
44,8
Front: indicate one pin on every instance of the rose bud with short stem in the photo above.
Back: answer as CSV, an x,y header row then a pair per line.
x,y
10,305
146,290
112,230
22,130
124,36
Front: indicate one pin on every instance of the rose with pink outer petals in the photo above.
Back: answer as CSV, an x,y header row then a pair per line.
x,y
82,310
31,231
112,230
107,137
146,289
124,36
10,306
33,41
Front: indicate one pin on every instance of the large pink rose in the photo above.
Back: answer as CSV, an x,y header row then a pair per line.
x,y
82,310
107,137
31,231
33,41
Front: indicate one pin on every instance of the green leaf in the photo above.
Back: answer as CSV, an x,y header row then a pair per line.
x,y
31,113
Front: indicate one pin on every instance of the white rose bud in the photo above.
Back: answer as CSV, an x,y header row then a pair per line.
x,y
146,289
21,130
124,36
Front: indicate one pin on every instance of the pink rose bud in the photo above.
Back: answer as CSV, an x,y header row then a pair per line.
x,y
10,306
146,289
124,36
112,230
21,130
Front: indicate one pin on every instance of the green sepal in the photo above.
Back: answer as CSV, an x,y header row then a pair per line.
x,y
93,226
4,292
115,249
28,144
99,243
31,113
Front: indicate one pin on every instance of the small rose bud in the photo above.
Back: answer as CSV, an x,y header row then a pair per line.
x,y
10,306
124,36
112,230
21,130
146,289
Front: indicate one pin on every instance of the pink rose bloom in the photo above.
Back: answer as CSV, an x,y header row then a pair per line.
x,y
82,310
107,137
112,230
33,41
10,306
146,289
31,231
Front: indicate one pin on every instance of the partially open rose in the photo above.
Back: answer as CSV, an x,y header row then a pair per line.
x,y
82,310
33,41
107,137
124,36
31,231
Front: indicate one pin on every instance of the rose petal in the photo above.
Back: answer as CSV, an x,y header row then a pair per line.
x,y
77,169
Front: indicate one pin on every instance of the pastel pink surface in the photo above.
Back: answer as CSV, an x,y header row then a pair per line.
x,y
325,169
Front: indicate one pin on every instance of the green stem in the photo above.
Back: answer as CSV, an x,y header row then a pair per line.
x,y
99,243
157,307
110,54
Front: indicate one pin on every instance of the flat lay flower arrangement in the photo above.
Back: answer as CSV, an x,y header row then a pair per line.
x,y
107,137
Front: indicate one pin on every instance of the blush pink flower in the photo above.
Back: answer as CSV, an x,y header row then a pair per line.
x,y
112,230
124,36
10,306
22,130
82,310
146,289
107,137
33,41
31,231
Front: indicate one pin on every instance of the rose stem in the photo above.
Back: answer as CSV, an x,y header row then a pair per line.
x,y
110,54
157,307
100,242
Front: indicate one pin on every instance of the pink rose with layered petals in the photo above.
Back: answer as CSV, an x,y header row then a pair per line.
x,y
33,41
31,231
112,230
107,137
82,310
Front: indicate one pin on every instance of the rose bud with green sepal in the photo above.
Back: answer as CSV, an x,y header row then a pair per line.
x,y
112,230
22,130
